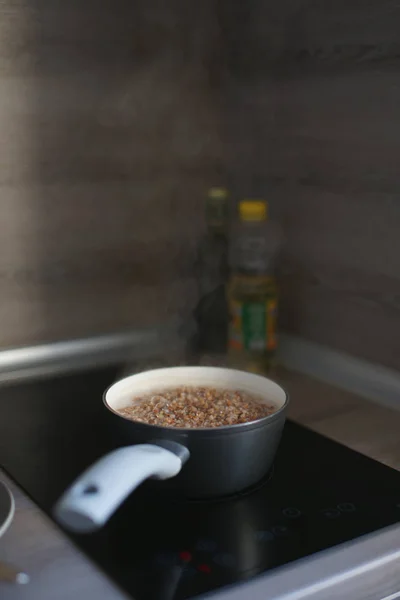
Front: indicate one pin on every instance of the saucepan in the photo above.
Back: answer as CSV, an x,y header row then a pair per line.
x,y
197,462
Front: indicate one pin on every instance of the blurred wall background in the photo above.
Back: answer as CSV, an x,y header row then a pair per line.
x,y
109,141
116,117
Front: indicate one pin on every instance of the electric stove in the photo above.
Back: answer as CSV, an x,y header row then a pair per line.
x,y
318,495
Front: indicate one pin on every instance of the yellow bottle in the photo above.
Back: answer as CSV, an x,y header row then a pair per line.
x,y
252,290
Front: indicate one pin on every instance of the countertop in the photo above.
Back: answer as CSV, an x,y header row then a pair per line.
x,y
58,570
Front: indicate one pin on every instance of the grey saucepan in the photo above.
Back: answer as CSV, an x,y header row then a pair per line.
x,y
199,463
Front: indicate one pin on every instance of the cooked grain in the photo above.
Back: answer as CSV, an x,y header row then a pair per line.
x,y
193,407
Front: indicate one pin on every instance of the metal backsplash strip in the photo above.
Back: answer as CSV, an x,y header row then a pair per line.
x,y
372,381
125,348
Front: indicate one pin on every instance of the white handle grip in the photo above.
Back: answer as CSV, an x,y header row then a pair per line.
x,y
98,492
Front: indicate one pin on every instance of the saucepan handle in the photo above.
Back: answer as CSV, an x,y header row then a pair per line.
x,y
98,492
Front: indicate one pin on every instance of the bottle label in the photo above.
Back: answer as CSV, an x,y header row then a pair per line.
x,y
253,326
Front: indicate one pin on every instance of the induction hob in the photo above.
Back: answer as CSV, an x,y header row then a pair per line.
x,y
318,494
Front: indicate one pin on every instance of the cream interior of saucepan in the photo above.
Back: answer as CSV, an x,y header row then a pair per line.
x,y
123,392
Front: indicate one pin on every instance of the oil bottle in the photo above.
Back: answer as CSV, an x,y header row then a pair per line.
x,y
252,291
211,313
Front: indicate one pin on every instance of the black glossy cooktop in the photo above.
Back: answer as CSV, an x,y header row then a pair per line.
x,y
319,494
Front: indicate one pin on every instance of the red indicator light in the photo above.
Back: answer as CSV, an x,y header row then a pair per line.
x,y
204,568
185,556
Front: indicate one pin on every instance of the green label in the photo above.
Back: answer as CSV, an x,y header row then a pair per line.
x,y
253,326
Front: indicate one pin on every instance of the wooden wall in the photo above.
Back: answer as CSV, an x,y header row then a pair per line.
x,y
115,117
318,91
109,141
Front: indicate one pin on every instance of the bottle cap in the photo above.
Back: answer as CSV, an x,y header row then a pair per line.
x,y
217,208
218,192
253,210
